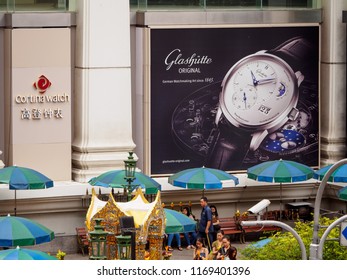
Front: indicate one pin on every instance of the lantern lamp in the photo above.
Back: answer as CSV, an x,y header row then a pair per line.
x,y
124,247
98,240
130,167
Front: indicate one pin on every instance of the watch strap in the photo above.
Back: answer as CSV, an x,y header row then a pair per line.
x,y
229,147
297,52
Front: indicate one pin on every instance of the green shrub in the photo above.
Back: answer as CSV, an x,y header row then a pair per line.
x,y
284,246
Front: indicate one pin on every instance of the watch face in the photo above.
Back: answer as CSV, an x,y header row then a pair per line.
x,y
259,92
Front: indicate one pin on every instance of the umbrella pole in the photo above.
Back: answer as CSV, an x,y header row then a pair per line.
x,y
15,202
280,201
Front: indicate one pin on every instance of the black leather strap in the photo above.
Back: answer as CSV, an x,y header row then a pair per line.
x,y
229,147
297,52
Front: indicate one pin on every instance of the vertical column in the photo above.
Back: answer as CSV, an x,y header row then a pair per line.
x,y
102,124
333,83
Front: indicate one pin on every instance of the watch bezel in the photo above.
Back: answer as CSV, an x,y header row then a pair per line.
x,y
275,123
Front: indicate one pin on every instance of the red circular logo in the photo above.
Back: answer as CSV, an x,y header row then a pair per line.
x,y
42,84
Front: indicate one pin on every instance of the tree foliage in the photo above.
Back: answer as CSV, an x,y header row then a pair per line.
x,y
284,246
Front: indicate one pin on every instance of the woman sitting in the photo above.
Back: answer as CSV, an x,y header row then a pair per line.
x,y
200,252
216,245
226,252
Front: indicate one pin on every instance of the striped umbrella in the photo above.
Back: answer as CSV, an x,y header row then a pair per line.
x,y
201,178
338,176
280,171
23,178
176,222
115,179
17,231
24,254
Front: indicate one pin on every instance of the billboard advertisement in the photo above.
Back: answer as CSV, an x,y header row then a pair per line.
x,y
230,98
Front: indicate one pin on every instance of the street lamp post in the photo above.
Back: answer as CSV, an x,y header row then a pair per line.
x,y
130,167
314,246
326,233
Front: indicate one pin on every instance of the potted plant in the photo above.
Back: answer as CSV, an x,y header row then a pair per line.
x,y
60,255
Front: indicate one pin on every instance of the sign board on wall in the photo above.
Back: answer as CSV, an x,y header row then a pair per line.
x,y
39,97
230,98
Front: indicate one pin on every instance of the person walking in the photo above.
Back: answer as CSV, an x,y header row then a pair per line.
x,y
205,223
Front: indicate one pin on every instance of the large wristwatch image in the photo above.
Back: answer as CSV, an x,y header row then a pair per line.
x,y
259,95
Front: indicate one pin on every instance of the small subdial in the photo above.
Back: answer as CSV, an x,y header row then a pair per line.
x,y
281,90
244,98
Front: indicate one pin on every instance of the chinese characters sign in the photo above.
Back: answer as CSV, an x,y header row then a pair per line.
x,y
42,106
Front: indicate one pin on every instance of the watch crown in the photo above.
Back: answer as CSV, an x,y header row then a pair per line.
x,y
300,77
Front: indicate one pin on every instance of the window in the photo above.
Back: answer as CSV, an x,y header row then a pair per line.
x,y
225,4
34,5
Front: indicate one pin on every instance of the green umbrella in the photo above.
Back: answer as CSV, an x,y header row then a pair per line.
x,y
115,179
201,178
17,231
24,254
176,222
280,171
338,176
23,178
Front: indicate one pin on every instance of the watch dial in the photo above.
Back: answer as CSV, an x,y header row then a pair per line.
x,y
259,91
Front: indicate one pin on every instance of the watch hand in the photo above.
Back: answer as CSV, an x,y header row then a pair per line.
x,y
245,99
255,81
265,81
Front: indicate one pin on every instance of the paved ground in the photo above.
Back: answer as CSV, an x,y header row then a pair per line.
x,y
176,254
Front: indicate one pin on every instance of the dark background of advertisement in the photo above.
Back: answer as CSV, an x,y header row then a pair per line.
x,y
171,151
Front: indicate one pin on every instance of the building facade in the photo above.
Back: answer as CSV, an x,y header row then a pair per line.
x,y
74,97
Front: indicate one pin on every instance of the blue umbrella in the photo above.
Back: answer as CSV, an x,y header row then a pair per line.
x,y
24,254
176,222
17,231
280,171
201,178
115,179
23,178
338,176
